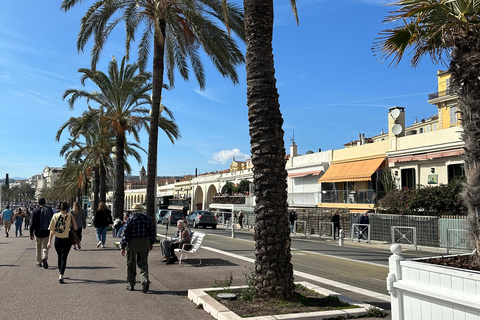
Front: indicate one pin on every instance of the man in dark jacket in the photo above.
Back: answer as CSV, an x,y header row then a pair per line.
x,y
336,224
39,223
138,238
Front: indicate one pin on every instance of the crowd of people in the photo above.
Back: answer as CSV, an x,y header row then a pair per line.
x,y
61,228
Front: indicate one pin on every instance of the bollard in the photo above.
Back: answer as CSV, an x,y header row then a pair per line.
x,y
233,228
340,237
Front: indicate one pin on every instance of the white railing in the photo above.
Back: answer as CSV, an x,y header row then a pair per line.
x,y
303,199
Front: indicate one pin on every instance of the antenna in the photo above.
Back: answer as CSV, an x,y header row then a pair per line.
x,y
397,129
293,138
395,113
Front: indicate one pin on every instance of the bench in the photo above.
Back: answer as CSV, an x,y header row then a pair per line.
x,y
194,245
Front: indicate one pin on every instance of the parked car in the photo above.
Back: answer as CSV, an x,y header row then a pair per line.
x,y
160,214
173,216
202,218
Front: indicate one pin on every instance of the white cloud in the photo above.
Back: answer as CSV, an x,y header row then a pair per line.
x,y
208,96
225,156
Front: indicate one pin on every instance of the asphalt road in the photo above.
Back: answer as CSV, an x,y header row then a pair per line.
x,y
355,264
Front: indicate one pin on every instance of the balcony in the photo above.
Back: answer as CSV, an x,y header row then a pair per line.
x,y
303,199
365,196
240,199
435,95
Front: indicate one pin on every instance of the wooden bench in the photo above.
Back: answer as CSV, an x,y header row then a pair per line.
x,y
194,245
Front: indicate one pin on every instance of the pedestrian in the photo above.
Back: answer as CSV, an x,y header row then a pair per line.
x,y
79,214
240,219
293,218
364,222
18,219
138,239
39,223
7,218
336,224
27,218
60,226
101,221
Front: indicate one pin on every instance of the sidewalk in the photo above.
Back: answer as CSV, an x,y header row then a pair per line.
x,y
96,279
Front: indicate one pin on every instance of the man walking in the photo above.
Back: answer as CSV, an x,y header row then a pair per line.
x,y
39,223
336,224
7,218
138,239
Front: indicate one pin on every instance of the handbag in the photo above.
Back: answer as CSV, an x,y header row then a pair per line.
x,y
74,238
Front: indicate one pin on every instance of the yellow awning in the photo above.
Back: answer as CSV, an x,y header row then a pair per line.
x,y
352,171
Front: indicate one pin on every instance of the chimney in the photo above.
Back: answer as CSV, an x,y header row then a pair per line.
x,y
363,139
293,150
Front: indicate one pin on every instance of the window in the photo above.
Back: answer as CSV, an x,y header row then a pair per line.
x,y
428,128
455,170
420,130
434,127
408,178
453,115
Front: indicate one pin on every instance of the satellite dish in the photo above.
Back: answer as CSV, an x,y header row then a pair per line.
x,y
395,113
397,129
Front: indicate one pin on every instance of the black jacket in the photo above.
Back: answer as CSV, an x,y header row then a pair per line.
x,y
40,222
103,218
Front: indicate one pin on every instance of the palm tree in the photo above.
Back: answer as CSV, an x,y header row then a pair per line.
x,y
273,267
446,30
96,149
121,96
176,30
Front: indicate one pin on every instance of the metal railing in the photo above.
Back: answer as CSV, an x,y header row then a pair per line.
x,y
348,196
358,232
435,95
304,227
457,239
407,235
320,229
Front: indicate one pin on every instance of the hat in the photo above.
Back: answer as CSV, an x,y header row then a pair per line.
x,y
136,207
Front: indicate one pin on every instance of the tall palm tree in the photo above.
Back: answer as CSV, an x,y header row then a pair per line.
x,y
273,267
447,30
121,95
176,30
96,148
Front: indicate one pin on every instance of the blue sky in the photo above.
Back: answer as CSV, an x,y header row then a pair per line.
x,y
331,86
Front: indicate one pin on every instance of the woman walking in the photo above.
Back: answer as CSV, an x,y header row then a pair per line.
x,y
60,227
18,218
79,215
102,219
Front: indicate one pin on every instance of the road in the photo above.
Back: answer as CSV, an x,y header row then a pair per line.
x,y
355,264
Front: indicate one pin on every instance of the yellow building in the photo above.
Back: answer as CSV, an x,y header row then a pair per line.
x,y
429,152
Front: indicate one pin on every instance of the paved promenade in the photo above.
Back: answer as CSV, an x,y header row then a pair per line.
x,y
96,279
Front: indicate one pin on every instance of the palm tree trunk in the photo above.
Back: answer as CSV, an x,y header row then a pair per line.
x,y
103,182
465,68
96,185
119,198
273,268
158,67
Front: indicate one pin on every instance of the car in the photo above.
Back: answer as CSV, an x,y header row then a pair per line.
x,y
160,214
202,218
172,216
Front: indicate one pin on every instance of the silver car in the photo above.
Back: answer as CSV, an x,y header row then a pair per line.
x,y
202,218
